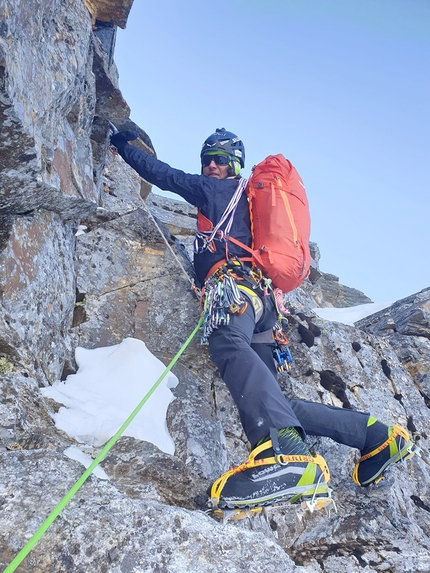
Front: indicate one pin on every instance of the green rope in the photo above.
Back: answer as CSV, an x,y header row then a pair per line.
x,y
62,504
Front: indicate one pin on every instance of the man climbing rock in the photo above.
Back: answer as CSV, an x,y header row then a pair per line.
x,y
240,313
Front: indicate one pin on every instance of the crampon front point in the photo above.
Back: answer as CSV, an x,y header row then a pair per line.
x,y
280,479
398,447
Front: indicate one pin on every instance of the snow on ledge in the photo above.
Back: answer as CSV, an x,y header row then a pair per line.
x,y
351,314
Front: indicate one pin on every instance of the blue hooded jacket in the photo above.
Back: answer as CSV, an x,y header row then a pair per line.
x,y
209,194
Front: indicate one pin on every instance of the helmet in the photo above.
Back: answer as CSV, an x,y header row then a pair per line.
x,y
226,141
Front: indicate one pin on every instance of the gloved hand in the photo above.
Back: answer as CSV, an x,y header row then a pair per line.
x,y
121,138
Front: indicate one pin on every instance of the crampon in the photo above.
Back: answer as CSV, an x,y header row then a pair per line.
x,y
371,467
318,502
258,485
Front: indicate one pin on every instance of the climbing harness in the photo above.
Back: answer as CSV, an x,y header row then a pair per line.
x,y
78,484
225,293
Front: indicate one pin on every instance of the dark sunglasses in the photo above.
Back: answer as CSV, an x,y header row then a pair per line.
x,y
219,160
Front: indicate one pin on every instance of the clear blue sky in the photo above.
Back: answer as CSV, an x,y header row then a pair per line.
x,y
341,88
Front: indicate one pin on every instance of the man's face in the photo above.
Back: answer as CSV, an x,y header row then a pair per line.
x,y
215,166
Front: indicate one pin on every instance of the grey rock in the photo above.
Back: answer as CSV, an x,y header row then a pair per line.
x,y
178,207
37,286
409,316
102,529
193,421
178,224
46,153
327,291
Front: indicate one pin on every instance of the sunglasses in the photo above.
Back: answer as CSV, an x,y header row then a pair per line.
x,y
219,160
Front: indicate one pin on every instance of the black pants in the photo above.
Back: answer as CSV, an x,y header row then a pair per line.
x,y
249,372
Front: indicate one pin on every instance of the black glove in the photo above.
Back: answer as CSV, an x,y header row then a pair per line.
x,y
121,138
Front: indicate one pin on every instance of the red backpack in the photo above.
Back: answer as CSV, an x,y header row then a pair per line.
x,y
280,222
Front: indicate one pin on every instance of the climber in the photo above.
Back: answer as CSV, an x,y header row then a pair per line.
x,y
280,466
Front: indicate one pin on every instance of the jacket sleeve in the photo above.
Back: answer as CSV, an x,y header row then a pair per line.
x,y
190,187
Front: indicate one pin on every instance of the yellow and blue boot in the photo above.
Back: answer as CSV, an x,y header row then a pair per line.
x,y
385,445
280,469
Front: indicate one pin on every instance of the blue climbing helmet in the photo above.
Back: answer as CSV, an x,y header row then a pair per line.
x,y
224,142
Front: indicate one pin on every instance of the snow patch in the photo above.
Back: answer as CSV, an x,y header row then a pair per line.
x,y
110,383
74,453
351,314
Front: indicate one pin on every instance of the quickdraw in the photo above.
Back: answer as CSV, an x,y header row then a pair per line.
x,y
222,296
281,352
221,299
282,357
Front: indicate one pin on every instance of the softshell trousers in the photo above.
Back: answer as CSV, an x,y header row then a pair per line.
x,y
249,372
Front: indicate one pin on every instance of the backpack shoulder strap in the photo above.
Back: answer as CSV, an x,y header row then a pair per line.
x,y
205,238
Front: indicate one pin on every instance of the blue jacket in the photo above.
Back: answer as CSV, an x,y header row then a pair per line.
x,y
209,194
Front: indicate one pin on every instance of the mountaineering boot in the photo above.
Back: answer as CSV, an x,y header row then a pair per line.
x,y
279,469
384,446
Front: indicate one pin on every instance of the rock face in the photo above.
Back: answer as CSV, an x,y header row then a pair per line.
x,y
326,290
406,326
127,273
